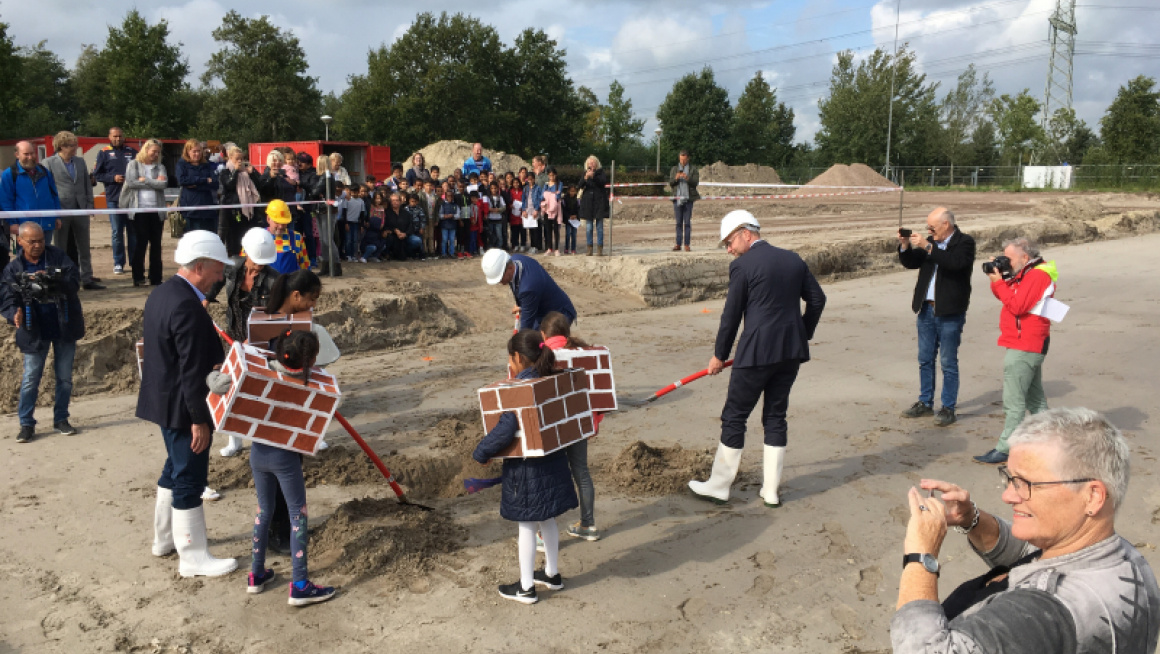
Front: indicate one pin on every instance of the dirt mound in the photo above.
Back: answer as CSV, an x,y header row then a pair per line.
x,y
1072,209
106,359
449,155
642,469
386,315
721,172
372,537
843,175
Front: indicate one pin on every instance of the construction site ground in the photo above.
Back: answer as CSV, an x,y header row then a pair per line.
x,y
671,573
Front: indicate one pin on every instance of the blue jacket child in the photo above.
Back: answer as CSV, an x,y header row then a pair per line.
x,y
535,489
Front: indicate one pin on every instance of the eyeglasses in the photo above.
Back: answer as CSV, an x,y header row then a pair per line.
x,y
1023,487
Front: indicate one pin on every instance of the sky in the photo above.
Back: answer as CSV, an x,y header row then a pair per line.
x,y
648,44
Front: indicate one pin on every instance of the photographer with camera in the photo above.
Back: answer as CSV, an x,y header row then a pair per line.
x,y
1023,283
38,294
944,260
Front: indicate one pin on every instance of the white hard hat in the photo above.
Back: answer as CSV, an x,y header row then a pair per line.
x,y
327,351
494,263
258,244
733,220
200,244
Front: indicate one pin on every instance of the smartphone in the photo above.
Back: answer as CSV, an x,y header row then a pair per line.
x,y
904,233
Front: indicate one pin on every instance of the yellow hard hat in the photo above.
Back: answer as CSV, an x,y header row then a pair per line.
x,y
278,212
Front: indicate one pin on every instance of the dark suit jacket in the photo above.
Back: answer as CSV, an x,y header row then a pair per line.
x,y
181,348
952,287
766,287
537,294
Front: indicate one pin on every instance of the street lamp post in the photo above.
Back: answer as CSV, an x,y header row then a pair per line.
x,y
331,254
658,133
327,120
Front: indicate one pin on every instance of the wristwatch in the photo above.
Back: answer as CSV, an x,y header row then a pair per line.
x,y
927,561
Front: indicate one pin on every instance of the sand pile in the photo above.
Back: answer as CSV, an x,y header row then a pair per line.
x,y
642,469
380,538
721,172
843,175
449,155
106,359
386,315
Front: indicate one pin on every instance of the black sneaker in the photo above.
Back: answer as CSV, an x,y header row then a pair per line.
x,y
994,457
944,417
918,410
26,434
555,582
516,593
64,428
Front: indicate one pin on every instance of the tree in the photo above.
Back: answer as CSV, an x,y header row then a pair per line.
x,y
617,125
962,110
590,134
763,128
696,115
47,103
984,145
539,108
10,69
1130,130
1017,128
854,116
1068,137
265,94
136,82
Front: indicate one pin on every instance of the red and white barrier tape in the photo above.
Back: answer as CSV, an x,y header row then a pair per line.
x,y
54,213
756,197
755,185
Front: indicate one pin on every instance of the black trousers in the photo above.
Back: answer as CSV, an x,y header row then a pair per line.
x,y
746,385
148,227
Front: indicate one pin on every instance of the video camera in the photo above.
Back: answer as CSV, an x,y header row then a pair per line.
x,y
1001,265
42,287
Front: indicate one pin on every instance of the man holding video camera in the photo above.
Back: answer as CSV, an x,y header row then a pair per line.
x,y
944,259
1024,284
38,294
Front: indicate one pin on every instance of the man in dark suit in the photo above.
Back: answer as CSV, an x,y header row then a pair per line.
x,y
181,348
766,288
536,293
944,260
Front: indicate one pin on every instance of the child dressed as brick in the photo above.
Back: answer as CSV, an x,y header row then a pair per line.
x,y
535,489
277,469
556,330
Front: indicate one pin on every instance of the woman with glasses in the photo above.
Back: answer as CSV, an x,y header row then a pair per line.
x,y
1061,579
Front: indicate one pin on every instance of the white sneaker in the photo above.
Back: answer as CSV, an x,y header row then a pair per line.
x,y
322,445
362,260
234,446
210,495
118,270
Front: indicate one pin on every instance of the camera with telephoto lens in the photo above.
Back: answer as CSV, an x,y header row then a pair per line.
x,y
1001,265
42,287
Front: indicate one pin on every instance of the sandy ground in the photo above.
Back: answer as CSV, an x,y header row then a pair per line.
x,y
672,574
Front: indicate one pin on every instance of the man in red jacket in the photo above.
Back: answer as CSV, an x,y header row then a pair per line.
x,y
1024,290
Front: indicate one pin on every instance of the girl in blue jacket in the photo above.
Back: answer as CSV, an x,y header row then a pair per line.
x,y
535,489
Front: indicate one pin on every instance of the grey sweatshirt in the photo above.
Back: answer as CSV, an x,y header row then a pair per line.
x,y
1103,598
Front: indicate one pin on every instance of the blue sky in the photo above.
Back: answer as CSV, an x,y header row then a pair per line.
x,y
648,44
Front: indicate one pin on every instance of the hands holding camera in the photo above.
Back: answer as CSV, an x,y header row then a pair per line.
x,y
907,238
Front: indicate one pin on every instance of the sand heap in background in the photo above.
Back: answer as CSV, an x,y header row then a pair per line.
x,y
843,175
722,173
449,155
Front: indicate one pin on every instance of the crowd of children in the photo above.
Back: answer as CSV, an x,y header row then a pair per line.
x,y
408,218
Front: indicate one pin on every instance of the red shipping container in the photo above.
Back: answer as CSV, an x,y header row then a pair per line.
x,y
553,412
269,407
597,362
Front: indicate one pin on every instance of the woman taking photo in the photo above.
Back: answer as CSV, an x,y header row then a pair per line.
x,y
594,202
144,188
237,188
199,184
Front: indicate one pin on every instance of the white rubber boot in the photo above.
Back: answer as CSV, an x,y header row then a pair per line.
x,y
233,448
725,466
163,523
774,458
189,536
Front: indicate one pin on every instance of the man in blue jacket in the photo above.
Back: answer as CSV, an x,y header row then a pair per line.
x,y
28,186
536,293
112,161
47,318
766,288
476,163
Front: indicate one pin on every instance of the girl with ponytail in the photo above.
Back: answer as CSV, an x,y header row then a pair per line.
x,y
535,489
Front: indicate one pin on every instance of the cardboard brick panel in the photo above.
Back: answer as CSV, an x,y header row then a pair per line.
x,y
553,412
596,361
262,327
268,407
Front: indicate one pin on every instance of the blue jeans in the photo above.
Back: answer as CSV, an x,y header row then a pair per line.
x,y
447,244
275,468
684,214
599,231
352,238
62,365
569,237
119,222
414,246
185,473
370,251
495,233
578,461
939,335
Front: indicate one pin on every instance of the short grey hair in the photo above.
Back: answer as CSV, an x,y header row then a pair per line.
x,y
192,265
1092,447
948,216
1023,243
29,226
